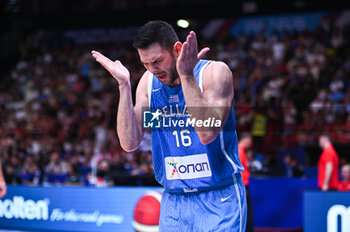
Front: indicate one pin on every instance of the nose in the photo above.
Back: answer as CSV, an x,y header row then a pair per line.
x,y
152,68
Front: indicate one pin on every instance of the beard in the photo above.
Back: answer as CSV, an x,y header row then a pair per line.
x,y
174,75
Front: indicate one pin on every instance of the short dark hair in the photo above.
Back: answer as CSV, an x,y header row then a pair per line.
x,y
156,31
326,135
245,135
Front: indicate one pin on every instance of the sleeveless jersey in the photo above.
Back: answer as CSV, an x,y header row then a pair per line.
x,y
181,162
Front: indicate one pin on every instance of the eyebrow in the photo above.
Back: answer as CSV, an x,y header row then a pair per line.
x,y
154,60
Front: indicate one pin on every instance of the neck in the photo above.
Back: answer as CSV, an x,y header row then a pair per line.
x,y
327,145
176,82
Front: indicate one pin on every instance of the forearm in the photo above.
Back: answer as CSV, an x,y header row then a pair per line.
x,y
200,109
127,128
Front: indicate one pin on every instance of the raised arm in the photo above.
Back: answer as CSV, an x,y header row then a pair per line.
x,y
217,96
129,118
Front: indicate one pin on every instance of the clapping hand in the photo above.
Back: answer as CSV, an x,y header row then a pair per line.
x,y
115,68
189,55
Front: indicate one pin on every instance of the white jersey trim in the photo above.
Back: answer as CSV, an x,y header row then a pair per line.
x,y
239,202
200,78
149,87
234,166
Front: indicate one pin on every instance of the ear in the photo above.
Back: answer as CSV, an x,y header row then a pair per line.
x,y
177,48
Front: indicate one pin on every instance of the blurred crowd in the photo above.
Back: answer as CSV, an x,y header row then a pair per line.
x,y
58,107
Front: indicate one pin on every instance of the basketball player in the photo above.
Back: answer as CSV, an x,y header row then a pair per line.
x,y
2,183
199,168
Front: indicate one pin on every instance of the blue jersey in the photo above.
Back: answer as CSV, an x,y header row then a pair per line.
x,y
181,162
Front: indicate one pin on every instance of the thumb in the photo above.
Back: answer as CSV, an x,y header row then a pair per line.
x,y
203,52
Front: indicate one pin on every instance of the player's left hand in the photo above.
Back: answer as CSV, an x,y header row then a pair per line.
x,y
189,55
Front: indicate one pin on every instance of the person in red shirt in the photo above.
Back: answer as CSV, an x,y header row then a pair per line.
x,y
245,142
344,185
328,165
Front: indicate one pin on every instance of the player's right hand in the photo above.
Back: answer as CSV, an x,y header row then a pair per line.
x,y
116,69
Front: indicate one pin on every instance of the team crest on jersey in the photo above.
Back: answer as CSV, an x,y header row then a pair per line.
x,y
174,98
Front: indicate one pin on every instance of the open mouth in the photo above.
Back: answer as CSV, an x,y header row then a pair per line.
x,y
161,75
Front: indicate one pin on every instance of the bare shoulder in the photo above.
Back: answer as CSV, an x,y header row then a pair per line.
x,y
142,91
143,84
217,73
218,65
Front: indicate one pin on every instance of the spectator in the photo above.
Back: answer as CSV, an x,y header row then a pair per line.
x,y
259,129
293,169
57,169
12,171
102,175
117,164
327,165
244,143
74,176
142,169
344,184
254,164
30,172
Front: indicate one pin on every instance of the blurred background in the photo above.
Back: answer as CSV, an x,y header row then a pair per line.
x,y
291,66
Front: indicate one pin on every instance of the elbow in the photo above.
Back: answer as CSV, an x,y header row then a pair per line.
x,y
207,137
129,143
129,148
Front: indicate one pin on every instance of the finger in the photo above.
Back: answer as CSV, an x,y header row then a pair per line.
x,y
103,60
184,49
203,52
99,57
95,54
194,43
191,40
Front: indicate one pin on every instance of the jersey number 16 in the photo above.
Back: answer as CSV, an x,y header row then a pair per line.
x,y
184,137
